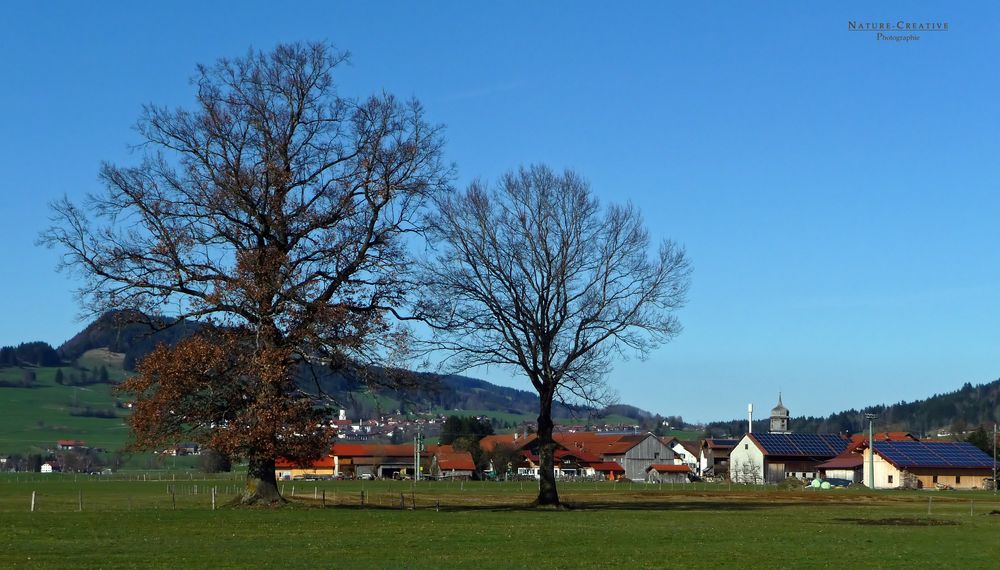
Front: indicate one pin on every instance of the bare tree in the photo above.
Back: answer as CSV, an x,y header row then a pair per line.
x,y
275,211
533,274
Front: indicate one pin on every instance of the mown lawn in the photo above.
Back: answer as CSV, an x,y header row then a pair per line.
x,y
485,525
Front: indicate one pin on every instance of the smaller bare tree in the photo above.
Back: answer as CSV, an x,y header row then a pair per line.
x,y
533,274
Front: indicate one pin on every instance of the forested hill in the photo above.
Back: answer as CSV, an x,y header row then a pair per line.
x,y
954,412
131,334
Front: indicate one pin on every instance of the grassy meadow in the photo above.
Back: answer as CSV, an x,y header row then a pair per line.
x,y
167,520
32,419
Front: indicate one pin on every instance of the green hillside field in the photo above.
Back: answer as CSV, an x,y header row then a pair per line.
x,y
33,419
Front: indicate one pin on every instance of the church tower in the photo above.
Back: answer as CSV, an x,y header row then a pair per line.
x,y
779,417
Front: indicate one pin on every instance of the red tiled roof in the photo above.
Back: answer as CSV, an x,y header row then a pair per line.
x,y
859,441
608,466
460,461
321,463
490,442
667,468
371,450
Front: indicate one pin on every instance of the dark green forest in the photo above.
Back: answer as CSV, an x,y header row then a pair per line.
x,y
952,412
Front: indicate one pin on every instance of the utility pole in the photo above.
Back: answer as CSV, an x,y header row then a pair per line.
x,y
418,442
994,458
871,450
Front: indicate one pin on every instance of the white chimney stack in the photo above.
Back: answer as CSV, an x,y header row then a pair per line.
x,y
750,415
343,415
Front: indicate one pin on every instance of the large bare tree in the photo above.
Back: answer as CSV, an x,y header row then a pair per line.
x,y
276,212
533,274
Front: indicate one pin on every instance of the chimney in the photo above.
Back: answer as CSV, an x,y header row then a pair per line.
x,y
343,415
750,415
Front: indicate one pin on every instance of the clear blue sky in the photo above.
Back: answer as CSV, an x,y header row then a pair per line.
x,y
838,195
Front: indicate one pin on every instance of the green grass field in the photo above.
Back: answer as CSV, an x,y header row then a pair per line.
x,y
486,525
32,419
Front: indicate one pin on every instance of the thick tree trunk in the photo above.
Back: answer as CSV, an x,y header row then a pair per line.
x,y
261,486
547,494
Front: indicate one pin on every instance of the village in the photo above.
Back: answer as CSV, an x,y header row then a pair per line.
x,y
879,460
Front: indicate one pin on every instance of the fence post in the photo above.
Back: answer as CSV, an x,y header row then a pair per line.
x,y
80,500
324,497
402,502
213,498
32,501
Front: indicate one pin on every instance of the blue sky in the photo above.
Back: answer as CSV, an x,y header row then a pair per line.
x,y
838,195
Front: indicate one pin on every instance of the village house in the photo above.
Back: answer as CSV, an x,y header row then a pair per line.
x,y
589,454
447,463
685,452
774,457
714,459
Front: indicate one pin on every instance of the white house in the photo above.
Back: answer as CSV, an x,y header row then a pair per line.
x,y
774,457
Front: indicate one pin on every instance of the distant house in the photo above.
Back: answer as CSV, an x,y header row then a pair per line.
x,y
668,473
714,459
66,444
610,470
588,454
774,457
685,452
447,463
928,464
377,460
286,470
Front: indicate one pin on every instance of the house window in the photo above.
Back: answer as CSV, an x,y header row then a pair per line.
x,y
656,455
958,479
890,478
934,479
746,446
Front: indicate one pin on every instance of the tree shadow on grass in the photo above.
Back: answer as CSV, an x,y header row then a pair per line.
x,y
704,506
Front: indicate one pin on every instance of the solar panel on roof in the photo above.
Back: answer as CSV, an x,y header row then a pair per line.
x,y
908,454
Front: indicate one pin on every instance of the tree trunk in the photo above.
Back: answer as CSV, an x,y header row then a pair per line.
x,y
547,494
261,486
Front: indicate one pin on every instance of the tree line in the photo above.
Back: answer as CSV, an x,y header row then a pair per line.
x,y
36,353
952,412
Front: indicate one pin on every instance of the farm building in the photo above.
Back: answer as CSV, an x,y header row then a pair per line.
x,y
774,457
926,464
714,460
446,463
635,453
847,465
285,470
668,473
589,453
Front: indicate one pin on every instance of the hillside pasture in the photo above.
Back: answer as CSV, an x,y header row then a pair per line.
x,y
32,419
161,523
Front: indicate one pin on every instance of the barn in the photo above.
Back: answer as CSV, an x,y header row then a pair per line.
x,y
928,464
